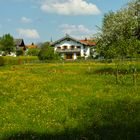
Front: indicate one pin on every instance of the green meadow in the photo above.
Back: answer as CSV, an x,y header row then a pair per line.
x,y
72,101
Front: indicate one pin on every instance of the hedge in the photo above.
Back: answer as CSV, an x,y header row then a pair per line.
x,y
9,60
1,61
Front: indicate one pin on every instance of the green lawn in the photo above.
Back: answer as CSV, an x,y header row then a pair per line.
x,y
72,101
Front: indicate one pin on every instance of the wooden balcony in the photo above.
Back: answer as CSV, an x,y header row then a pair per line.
x,y
68,50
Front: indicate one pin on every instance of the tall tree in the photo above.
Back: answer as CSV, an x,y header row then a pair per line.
x,y
135,7
118,30
7,43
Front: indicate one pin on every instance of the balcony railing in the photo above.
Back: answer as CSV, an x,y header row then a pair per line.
x,y
68,50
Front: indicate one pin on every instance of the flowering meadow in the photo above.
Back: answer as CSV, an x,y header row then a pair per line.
x,y
72,101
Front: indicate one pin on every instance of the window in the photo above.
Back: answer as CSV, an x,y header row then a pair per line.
x,y
58,47
64,47
72,47
78,47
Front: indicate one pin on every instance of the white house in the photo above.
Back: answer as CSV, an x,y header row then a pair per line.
x,y
71,48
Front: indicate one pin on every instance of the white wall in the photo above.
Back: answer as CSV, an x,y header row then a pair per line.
x,y
73,43
87,52
74,56
11,54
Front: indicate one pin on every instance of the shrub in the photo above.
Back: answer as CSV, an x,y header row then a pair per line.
x,y
1,61
47,53
33,52
19,52
80,57
27,59
19,60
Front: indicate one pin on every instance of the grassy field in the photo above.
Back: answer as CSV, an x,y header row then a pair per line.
x,y
72,101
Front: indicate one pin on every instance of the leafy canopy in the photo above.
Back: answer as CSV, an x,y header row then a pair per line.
x,y
7,43
33,52
120,32
47,52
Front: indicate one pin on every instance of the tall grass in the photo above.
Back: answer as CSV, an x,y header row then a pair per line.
x,y
67,101
8,60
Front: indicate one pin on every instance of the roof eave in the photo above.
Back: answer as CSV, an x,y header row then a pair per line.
x,y
67,37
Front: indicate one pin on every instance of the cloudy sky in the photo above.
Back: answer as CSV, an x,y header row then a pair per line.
x,y
41,20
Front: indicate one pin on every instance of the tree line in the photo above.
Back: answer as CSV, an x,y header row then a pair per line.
x,y
45,52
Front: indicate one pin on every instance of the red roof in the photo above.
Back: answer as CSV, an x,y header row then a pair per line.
x,y
32,46
88,42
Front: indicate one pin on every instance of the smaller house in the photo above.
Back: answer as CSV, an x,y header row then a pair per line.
x,y
19,44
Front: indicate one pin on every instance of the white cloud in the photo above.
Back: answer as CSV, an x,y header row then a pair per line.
x,y
25,20
75,29
28,33
69,7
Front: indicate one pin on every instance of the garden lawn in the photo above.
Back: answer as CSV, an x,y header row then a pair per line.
x,y
72,101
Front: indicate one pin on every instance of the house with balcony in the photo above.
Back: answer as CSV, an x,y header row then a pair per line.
x,y
71,48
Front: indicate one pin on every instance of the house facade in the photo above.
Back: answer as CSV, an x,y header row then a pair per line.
x,y
71,48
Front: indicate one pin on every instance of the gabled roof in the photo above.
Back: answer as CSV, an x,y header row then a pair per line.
x,y
67,37
85,42
19,42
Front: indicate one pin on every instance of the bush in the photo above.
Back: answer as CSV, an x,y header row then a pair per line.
x,y
27,59
19,52
80,58
47,53
8,60
33,52
1,61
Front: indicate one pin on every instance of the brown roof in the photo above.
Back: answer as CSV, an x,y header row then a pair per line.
x,y
88,42
32,46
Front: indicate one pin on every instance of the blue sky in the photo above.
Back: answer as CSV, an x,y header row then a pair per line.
x,y
41,20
